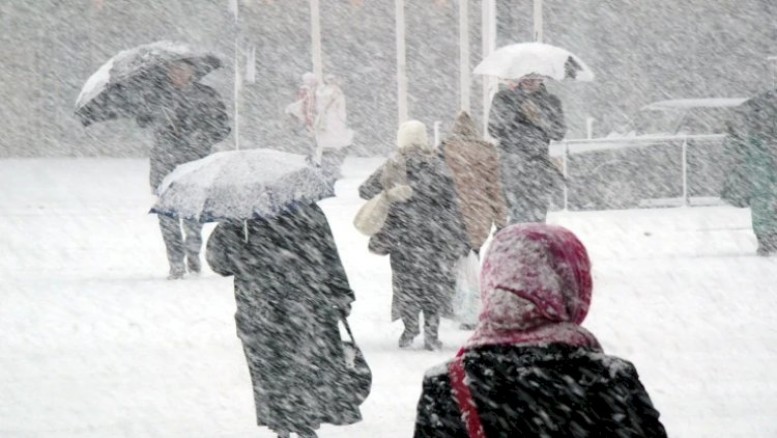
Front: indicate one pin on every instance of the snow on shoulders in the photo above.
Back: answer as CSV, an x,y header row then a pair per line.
x,y
615,365
437,370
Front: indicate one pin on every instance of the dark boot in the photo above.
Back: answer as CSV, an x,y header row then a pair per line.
x,y
406,340
177,271
432,344
767,245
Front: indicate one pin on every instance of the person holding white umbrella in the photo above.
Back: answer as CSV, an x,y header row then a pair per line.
x,y
525,118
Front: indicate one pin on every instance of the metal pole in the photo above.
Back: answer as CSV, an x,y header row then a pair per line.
x,y
488,36
464,73
538,27
401,62
686,200
589,127
315,35
235,7
772,60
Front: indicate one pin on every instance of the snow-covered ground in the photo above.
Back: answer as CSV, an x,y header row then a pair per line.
x,y
95,342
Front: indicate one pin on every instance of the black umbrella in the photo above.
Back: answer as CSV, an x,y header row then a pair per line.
x,y
127,84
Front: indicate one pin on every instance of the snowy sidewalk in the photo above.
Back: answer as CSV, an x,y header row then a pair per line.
x,y
94,342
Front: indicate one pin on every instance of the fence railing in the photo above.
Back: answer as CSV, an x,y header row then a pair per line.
x,y
566,148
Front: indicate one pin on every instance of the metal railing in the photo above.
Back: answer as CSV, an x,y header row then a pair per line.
x,y
583,146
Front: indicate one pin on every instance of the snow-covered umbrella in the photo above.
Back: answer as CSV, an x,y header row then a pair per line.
x,y
518,60
122,86
239,185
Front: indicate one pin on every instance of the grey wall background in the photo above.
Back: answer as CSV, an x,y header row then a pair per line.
x,y
641,51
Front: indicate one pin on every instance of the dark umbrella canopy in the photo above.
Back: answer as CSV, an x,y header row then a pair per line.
x,y
129,81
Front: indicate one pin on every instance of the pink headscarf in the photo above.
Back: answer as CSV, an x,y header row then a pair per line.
x,y
536,289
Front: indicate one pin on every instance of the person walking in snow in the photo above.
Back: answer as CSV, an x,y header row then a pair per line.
x,y
530,369
752,177
304,106
291,292
331,123
187,119
474,164
423,235
524,118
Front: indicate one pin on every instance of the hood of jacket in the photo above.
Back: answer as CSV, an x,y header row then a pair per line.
x,y
411,136
464,127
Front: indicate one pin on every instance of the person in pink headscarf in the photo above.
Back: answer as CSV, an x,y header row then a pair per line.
x,y
530,369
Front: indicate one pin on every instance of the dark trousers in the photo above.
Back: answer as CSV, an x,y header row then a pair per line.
x,y
180,243
523,209
410,318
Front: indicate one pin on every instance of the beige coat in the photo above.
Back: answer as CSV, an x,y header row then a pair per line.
x,y
474,164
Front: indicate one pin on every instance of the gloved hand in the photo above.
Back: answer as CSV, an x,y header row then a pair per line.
x,y
399,193
344,310
532,112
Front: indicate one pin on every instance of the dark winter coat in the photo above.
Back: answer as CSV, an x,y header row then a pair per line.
x,y
525,123
554,391
424,236
187,123
291,290
752,153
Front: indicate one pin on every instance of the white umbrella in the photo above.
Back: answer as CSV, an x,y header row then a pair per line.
x,y
243,184
518,60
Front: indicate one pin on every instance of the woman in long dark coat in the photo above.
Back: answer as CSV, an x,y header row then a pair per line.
x,y
424,236
291,291
530,369
525,118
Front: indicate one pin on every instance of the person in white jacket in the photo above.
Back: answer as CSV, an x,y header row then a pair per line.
x,y
331,124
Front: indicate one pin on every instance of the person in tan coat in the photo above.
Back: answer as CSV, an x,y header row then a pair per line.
x,y
474,164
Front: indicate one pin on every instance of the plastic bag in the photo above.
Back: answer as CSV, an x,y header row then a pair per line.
x,y
466,301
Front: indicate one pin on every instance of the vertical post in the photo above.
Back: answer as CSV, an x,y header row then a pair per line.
x,y
589,127
686,200
772,60
538,25
250,74
234,7
436,133
237,93
464,71
315,35
401,61
488,36
565,169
